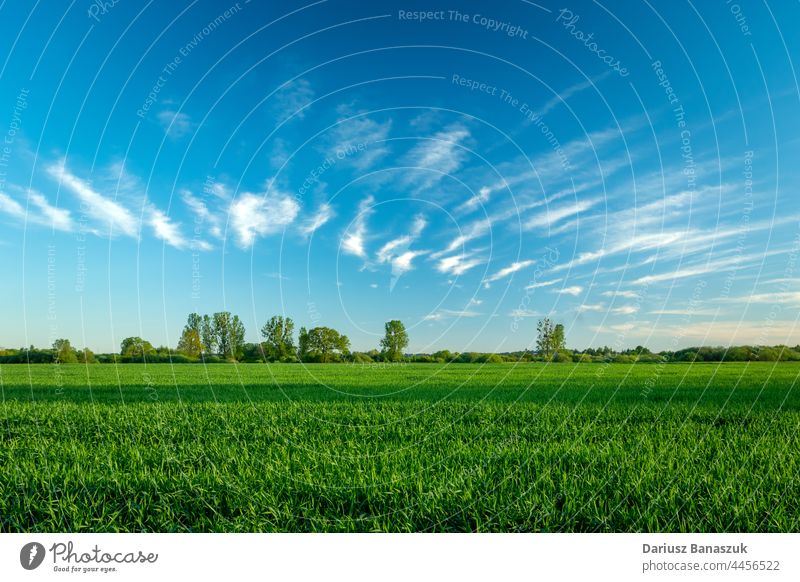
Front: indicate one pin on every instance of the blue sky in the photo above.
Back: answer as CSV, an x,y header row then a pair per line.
x,y
631,172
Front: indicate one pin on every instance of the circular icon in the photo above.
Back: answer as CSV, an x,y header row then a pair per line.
x,y
31,555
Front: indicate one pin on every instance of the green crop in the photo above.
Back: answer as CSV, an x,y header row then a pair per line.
x,y
533,447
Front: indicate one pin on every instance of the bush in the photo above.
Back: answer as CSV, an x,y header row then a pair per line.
x,y
562,356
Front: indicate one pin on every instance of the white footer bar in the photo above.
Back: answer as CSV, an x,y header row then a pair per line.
x,y
355,557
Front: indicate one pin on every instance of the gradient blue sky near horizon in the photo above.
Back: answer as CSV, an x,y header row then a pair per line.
x,y
347,163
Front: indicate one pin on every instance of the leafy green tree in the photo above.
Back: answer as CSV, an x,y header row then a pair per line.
x,y
207,336
64,354
253,352
559,339
302,344
278,334
394,341
443,356
191,342
86,356
544,337
326,344
228,334
135,347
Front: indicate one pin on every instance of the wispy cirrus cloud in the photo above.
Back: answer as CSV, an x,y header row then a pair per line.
x,y
323,215
443,152
565,94
550,217
575,290
358,140
509,270
623,293
11,206
58,218
517,313
42,213
176,124
397,251
165,229
450,314
258,215
293,99
107,212
540,284
204,217
458,264
354,238
472,231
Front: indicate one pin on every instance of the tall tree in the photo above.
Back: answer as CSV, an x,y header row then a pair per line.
x,y
64,353
544,339
207,336
303,344
559,339
228,334
191,342
394,341
278,334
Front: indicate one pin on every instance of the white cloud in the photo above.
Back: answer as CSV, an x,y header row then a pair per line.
x,y
450,313
102,209
625,310
524,313
165,229
402,263
684,312
780,298
552,216
713,333
506,271
397,253
539,284
175,123
458,264
389,249
354,238
474,230
590,307
257,215
565,94
57,218
293,98
358,141
478,199
441,153
203,216
11,206
323,214
575,290
625,294
734,262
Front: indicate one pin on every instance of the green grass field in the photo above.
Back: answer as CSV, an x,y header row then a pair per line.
x,y
531,447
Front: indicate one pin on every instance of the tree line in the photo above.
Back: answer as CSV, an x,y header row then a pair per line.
x,y
219,337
